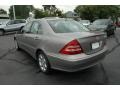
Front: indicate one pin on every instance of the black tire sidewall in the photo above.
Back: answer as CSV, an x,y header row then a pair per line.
x,y
2,32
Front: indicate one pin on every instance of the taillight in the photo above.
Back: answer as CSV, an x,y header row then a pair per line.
x,y
72,48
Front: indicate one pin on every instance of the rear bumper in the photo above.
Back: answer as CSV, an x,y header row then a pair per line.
x,y
76,63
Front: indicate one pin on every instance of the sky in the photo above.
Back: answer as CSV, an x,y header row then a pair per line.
x,y
65,8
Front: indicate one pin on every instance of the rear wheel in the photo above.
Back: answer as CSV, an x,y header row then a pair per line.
x,y
43,62
1,32
111,32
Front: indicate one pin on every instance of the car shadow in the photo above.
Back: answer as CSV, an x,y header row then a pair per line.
x,y
95,75
9,33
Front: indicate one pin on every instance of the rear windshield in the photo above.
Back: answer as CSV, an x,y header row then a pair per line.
x,y
66,26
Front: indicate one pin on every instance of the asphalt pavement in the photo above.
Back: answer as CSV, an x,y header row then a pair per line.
x,y
19,68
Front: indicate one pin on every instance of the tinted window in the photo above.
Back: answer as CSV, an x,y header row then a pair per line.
x,y
35,27
4,17
19,21
27,27
40,31
66,26
10,22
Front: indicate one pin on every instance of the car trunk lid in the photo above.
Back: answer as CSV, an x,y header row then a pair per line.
x,y
90,42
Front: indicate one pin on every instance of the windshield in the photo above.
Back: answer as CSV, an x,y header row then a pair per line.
x,y
101,22
66,26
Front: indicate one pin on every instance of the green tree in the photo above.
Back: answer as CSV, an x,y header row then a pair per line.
x,y
2,11
52,10
21,11
92,12
39,13
48,11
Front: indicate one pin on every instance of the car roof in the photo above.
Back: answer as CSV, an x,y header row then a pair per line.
x,y
53,18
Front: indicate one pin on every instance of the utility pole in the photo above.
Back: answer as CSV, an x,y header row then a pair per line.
x,y
14,12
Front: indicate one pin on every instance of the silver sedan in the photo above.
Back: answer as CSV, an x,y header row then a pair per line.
x,y
62,44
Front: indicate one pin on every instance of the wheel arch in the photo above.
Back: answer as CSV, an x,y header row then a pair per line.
x,y
38,50
21,27
2,29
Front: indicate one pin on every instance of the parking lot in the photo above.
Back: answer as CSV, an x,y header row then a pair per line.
x,y
17,67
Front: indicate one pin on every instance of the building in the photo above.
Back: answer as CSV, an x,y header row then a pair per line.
x,y
4,16
71,14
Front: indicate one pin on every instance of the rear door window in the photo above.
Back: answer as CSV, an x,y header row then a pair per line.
x,y
27,27
35,28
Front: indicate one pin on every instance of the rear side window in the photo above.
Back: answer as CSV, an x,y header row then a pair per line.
x,y
35,28
66,26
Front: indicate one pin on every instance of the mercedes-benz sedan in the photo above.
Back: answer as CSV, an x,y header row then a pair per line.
x,y
62,44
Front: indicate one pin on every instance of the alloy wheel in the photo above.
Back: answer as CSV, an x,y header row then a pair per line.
x,y
42,62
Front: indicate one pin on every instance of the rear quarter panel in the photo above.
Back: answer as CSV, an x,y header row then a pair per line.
x,y
51,44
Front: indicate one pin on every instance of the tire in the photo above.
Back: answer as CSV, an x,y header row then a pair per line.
x,y
43,62
1,32
113,33
108,33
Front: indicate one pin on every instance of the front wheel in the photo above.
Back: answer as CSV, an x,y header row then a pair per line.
x,y
43,62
